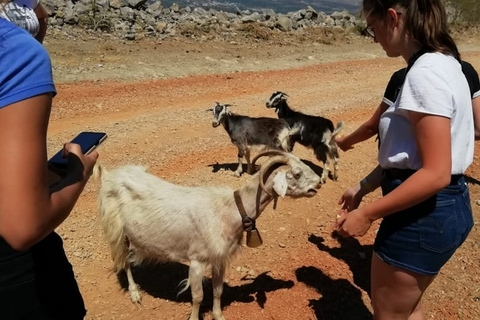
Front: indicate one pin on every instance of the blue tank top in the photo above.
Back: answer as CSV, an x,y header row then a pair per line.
x,y
26,70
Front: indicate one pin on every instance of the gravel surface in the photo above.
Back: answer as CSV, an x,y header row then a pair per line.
x,y
151,97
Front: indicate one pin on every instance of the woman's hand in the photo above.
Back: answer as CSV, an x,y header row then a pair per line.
x,y
342,144
79,165
353,224
351,199
350,220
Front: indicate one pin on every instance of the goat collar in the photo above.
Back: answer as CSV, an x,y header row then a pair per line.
x,y
253,236
248,223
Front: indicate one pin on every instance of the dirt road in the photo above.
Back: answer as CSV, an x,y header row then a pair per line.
x,y
151,97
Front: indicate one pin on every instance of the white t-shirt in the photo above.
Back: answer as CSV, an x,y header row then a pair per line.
x,y
434,85
21,13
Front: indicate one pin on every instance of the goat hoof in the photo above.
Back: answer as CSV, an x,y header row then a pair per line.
x,y
135,296
218,316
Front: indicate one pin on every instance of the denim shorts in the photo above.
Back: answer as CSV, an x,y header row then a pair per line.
x,y
422,238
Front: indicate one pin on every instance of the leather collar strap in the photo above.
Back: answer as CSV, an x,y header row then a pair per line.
x,y
248,223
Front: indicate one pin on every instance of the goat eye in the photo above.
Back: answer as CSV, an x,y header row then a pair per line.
x,y
297,175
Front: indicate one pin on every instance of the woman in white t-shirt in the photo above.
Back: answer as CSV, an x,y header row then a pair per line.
x,y
426,145
27,14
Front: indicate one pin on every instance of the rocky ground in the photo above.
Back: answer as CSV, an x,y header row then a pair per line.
x,y
150,97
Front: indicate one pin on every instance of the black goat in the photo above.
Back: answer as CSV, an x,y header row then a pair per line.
x,y
316,132
253,133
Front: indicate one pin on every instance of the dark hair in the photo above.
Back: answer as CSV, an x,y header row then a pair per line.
x,y
425,22
2,4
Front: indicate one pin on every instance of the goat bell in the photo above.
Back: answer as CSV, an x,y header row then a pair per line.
x,y
254,239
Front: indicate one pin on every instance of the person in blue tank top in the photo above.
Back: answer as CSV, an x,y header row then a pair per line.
x,y
36,279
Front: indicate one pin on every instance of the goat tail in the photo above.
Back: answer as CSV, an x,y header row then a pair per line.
x,y
329,138
185,283
292,137
338,129
113,225
99,171
296,129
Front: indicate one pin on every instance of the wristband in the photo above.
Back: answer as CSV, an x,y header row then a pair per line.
x,y
365,184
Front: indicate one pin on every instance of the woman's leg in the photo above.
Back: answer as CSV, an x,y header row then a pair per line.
x,y
396,292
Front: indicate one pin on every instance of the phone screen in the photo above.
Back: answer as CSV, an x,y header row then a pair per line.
x,y
88,141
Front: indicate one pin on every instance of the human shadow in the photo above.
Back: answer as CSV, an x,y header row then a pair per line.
x,y
162,281
340,299
355,255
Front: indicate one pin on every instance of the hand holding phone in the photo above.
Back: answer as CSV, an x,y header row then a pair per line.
x,y
88,141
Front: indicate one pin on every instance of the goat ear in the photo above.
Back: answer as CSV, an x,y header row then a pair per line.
x,y
280,184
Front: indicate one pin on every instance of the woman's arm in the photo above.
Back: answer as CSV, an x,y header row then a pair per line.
x,y
476,116
29,211
42,16
432,134
366,130
351,199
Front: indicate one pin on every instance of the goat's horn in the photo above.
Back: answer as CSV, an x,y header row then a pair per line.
x,y
209,109
268,153
282,159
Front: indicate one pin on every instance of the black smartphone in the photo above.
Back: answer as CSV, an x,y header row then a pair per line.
x,y
88,141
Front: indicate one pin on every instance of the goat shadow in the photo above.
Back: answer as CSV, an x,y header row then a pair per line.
x,y
317,169
161,280
216,167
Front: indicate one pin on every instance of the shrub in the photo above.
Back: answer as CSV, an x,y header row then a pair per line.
x,y
98,18
464,12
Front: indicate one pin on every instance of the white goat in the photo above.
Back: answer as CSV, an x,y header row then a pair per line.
x,y
145,217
